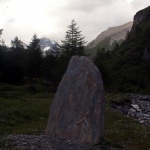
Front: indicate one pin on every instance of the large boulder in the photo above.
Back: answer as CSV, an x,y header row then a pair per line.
x,y
77,111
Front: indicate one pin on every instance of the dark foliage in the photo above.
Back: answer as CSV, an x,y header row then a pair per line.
x,y
21,62
33,60
126,68
129,64
12,62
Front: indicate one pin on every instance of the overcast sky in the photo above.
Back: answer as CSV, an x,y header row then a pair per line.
x,y
50,18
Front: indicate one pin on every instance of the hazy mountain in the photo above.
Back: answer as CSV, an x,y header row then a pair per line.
x,y
108,38
49,45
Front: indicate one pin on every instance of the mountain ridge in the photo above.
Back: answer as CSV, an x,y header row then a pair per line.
x,y
109,32
108,38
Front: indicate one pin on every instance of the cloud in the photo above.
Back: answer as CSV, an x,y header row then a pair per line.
x,y
95,16
88,5
24,18
138,4
50,18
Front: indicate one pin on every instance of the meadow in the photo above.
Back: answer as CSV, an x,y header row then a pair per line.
x,y
23,111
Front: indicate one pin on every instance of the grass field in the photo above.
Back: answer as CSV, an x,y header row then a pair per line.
x,y
22,111
26,112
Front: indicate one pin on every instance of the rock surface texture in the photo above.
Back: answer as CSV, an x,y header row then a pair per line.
x,y
77,111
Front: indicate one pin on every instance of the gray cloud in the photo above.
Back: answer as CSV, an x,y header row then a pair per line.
x,y
50,18
88,5
137,4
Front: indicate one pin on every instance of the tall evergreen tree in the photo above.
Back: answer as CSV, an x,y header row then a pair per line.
x,y
72,45
34,59
13,62
74,41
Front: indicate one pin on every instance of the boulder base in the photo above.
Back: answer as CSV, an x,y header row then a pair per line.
x,y
77,111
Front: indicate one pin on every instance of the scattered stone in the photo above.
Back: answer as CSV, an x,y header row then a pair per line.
x,y
131,110
138,107
141,121
77,111
41,142
135,106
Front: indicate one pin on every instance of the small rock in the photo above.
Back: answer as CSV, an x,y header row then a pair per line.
x,y
135,106
131,110
141,121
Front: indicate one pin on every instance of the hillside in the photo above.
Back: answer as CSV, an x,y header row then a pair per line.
x,y
108,38
129,65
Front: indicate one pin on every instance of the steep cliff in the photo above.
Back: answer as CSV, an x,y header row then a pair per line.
x,y
141,16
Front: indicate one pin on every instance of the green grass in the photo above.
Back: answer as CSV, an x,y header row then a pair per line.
x,y
24,112
117,97
125,131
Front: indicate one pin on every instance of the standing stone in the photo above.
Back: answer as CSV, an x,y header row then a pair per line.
x,y
77,111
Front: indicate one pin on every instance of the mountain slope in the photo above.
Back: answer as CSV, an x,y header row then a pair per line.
x,y
107,39
129,65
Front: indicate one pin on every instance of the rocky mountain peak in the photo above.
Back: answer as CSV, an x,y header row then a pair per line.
x,y
141,16
49,45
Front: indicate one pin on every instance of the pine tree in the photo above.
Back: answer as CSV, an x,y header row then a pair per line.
x,y
34,59
16,43
74,41
12,64
72,45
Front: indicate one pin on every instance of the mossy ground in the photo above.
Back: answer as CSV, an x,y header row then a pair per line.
x,y
26,112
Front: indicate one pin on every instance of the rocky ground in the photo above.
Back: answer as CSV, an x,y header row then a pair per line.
x,y
41,142
136,106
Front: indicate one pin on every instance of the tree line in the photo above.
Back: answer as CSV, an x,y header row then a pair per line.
x,y
125,68
21,62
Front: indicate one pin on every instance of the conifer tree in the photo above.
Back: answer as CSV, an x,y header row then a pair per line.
x,y
12,62
34,59
72,45
74,41
16,43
